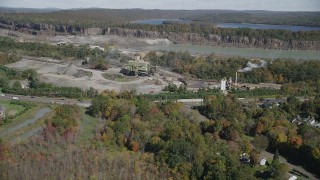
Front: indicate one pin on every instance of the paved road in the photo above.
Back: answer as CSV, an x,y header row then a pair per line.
x,y
84,103
41,113
268,155
35,130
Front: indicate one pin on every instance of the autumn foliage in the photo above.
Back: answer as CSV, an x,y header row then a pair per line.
x,y
295,141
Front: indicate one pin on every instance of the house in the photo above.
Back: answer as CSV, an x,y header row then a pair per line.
x,y
309,120
293,177
267,103
263,162
2,112
244,158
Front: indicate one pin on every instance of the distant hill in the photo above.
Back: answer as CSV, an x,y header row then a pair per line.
x,y
26,10
95,17
261,17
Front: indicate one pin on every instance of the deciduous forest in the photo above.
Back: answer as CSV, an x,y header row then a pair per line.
x,y
138,137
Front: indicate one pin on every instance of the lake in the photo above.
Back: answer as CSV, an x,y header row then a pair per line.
x,y
234,25
160,21
243,52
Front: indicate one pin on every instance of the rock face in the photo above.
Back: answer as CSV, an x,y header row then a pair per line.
x,y
49,29
213,39
183,38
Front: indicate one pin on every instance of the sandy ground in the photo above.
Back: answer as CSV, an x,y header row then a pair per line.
x,y
101,40
72,76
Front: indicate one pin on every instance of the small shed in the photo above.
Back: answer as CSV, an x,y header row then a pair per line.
x,y
2,112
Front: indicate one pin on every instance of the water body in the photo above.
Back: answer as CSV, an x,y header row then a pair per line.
x,y
243,52
40,114
268,26
234,25
160,21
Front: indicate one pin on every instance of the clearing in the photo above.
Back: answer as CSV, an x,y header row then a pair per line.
x,y
69,75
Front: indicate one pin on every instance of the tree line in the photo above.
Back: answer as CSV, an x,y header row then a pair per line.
x,y
12,48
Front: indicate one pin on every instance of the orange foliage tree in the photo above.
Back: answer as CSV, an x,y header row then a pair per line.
x,y
295,141
259,128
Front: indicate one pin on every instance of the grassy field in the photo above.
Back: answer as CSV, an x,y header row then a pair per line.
x,y
88,127
119,78
11,109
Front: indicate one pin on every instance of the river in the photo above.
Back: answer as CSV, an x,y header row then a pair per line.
x,y
243,52
268,26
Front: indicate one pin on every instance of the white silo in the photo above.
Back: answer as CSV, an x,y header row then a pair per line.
x,y
223,84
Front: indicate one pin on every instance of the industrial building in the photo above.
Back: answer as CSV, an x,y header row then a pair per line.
x,y
139,67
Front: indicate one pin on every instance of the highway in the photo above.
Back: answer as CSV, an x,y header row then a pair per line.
x,y
83,103
87,103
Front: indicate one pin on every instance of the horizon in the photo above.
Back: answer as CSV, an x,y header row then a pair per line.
x,y
81,8
244,5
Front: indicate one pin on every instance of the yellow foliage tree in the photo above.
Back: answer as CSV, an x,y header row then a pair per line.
x,y
282,137
316,152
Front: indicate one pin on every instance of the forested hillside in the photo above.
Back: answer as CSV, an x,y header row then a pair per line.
x,y
262,17
167,140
